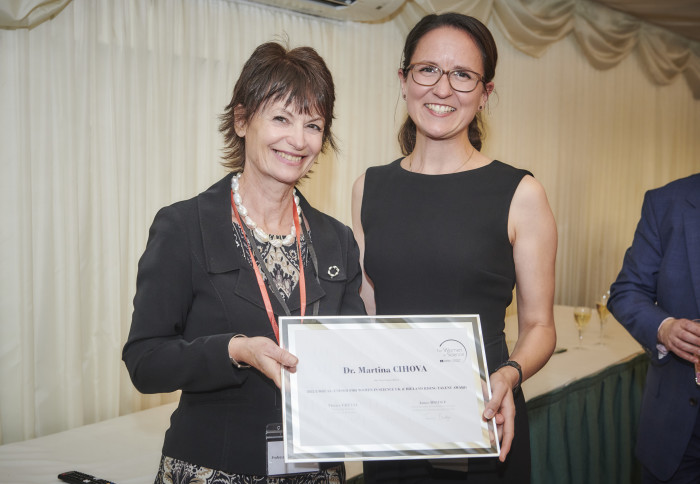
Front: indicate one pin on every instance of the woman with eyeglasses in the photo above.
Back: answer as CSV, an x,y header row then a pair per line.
x,y
448,230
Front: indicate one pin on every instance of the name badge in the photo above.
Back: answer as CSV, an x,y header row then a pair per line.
x,y
276,466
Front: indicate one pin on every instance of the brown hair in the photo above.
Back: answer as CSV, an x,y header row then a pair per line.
x,y
273,73
489,55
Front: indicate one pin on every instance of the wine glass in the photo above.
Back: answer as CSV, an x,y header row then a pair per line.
x,y
582,315
602,307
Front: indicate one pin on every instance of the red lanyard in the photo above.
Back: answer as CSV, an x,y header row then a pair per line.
x,y
258,275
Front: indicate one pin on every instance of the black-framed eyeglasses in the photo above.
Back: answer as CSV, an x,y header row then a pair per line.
x,y
461,80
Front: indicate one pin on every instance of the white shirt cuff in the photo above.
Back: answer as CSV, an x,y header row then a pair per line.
x,y
663,351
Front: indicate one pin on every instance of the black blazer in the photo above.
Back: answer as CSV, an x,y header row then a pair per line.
x,y
194,291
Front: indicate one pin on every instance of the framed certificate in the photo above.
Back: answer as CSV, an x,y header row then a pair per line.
x,y
385,387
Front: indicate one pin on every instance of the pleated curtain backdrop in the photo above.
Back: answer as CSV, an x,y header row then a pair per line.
x,y
110,111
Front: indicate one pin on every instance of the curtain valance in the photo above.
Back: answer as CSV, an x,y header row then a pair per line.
x,y
26,14
606,36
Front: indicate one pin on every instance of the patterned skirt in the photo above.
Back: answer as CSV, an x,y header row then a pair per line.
x,y
175,471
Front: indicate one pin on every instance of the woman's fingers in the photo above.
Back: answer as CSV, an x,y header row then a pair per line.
x,y
501,408
264,355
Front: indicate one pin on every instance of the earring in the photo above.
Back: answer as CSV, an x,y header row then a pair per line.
x,y
404,96
481,107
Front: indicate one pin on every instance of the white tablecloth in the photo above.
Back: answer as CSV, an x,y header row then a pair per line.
x,y
127,449
574,363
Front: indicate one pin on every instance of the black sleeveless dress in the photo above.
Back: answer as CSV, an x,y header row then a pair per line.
x,y
438,244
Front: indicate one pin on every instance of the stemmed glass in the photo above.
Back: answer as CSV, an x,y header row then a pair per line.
x,y
582,315
602,307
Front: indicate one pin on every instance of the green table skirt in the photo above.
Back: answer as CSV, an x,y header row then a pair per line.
x,y
585,432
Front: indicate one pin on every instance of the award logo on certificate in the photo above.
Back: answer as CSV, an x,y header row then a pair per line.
x,y
385,387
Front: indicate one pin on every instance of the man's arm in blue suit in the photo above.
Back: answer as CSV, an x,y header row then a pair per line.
x,y
633,294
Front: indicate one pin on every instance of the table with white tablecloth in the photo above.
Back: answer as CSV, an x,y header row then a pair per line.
x,y
125,450
570,363
573,395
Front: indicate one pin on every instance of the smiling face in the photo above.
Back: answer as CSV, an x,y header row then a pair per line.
x,y
281,142
439,111
299,77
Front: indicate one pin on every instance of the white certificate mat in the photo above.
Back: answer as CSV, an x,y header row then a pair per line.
x,y
385,387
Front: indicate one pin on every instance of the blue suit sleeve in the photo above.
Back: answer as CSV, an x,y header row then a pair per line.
x,y
633,296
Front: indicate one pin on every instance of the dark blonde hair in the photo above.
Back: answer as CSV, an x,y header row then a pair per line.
x,y
298,76
483,39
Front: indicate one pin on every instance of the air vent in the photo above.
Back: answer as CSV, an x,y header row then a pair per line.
x,y
335,3
353,10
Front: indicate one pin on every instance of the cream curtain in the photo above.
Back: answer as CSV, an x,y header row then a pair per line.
x,y
605,33
109,111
